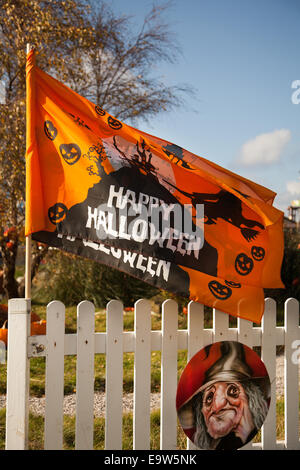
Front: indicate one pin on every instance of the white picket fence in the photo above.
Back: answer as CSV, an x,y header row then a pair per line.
x,y
169,340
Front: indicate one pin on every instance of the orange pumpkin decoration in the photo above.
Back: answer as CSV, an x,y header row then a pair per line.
x,y
10,245
34,317
3,308
129,309
8,231
3,333
38,327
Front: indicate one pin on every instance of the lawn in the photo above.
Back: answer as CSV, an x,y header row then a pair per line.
x,y
36,431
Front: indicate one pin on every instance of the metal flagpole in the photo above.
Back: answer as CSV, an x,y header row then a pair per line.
x,y
28,240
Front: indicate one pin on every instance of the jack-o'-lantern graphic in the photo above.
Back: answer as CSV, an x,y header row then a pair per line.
x,y
57,213
219,290
243,264
114,123
235,285
70,153
50,130
258,253
100,111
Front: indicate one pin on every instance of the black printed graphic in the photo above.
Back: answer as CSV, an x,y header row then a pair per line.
x,y
79,121
224,205
50,130
137,181
243,264
57,213
70,153
219,290
258,253
175,153
100,111
114,123
235,285
159,261
141,160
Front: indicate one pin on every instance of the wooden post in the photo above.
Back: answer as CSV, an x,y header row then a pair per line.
x,y
291,381
17,407
54,383
28,238
168,423
84,439
195,339
114,375
142,375
268,356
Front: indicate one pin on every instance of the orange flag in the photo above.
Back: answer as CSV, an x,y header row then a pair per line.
x,y
102,189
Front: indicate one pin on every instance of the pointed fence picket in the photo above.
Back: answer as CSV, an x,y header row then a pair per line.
x,y
54,382
55,345
142,368
85,376
114,376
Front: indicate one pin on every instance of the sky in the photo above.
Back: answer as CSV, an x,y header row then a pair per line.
x,y
242,58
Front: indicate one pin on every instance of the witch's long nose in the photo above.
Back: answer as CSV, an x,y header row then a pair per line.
x,y
219,401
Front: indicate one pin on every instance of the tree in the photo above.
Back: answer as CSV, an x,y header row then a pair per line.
x,y
84,44
290,270
49,26
71,279
119,64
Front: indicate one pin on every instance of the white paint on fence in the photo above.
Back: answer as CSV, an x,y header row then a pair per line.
x,y
244,330
17,403
268,356
85,376
54,383
168,414
220,325
114,375
195,329
142,368
114,342
291,371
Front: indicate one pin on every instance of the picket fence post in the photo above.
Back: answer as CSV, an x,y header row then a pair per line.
x,y
54,381
17,390
291,371
142,341
142,375
268,356
114,375
168,417
85,376
195,327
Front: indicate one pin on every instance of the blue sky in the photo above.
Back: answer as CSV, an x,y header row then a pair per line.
x,y
242,57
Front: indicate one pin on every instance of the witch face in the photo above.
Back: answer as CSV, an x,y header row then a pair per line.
x,y
225,409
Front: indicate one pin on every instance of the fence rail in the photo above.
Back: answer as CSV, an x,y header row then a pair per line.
x,y
142,341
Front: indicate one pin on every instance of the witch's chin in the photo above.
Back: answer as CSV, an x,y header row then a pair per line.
x,y
222,424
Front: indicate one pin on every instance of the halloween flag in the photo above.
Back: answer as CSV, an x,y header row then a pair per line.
x,y
102,189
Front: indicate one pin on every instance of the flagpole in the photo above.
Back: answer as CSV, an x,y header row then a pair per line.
x,y
28,238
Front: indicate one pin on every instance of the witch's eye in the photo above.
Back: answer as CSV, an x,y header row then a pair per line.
x,y
209,398
233,391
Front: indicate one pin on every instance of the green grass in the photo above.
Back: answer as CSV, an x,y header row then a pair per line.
x,y
36,431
